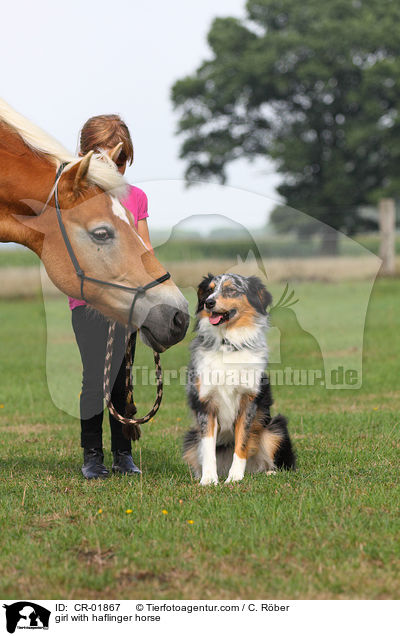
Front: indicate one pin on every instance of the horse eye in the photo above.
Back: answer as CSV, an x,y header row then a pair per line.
x,y
102,234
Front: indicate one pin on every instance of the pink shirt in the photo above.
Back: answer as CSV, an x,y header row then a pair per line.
x,y
136,203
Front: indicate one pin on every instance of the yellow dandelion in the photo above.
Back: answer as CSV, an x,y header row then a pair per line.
x,y
178,419
165,512
181,501
100,510
190,521
1,406
376,408
129,511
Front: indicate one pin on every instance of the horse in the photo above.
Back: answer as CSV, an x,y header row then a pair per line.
x,y
100,232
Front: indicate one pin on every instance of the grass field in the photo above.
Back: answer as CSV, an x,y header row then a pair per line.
x,y
330,530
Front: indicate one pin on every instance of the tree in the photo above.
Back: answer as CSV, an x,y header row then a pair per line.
x,y
313,85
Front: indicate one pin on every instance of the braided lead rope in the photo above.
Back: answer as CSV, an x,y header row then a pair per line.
x,y
128,374
130,424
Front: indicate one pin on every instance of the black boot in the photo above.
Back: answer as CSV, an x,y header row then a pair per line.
x,y
93,467
123,463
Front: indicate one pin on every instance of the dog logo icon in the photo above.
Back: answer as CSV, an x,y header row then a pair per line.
x,y
26,615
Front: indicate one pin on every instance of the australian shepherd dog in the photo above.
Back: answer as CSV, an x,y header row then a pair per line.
x,y
228,389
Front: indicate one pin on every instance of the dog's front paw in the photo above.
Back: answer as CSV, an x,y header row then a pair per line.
x,y
234,476
236,472
208,479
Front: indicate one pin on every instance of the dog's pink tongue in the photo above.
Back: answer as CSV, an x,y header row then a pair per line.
x,y
215,319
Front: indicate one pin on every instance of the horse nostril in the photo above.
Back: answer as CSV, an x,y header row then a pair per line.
x,y
180,320
210,303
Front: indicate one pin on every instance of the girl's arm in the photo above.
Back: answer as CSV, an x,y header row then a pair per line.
x,y
143,231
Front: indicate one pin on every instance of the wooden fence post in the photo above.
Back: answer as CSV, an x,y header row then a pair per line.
x,y
387,227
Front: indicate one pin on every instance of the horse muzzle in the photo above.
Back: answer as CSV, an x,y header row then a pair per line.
x,y
164,326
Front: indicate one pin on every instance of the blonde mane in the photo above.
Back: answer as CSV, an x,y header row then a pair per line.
x,y
102,171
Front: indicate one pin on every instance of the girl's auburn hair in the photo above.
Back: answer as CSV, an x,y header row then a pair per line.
x,y
106,131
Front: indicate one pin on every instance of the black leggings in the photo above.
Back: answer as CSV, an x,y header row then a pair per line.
x,y
91,330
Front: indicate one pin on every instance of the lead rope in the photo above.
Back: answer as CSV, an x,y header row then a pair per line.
x,y
130,425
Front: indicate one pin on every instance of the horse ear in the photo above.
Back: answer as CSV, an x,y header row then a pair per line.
x,y
115,152
258,295
202,291
76,175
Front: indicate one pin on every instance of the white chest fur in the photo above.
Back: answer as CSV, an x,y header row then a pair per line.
x,y
225,376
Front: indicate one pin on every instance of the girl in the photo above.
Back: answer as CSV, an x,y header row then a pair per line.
x,y
100,134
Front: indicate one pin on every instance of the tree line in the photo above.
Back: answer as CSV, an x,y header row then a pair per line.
x,y
314,86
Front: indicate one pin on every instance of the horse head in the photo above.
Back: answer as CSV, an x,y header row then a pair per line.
x,y
104,240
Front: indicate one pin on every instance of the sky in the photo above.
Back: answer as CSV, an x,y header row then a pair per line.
x,y
66,62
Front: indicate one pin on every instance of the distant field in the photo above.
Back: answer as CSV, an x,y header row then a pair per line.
x,y
269,247
331,530
20,257
189,249
22,278
284,260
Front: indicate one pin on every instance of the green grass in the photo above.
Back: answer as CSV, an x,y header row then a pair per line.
x,y
330,530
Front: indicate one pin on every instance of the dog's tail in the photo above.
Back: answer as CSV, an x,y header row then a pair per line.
x,y
191,443
284,455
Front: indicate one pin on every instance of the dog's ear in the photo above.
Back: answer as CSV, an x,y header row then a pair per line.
x,y
258,295
202,291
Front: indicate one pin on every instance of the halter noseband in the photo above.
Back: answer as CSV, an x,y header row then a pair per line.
x,y
138,291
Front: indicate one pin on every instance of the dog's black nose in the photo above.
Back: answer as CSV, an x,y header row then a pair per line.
x,y
210,303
